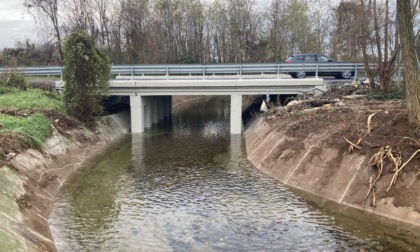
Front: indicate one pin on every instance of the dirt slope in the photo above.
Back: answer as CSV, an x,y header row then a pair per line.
x,y
345,150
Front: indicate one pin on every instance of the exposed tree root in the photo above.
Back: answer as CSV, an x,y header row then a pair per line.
x,y
385,155
368,130
378,160
398,170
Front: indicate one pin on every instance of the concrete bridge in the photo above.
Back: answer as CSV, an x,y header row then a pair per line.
x,y
151,98
151,87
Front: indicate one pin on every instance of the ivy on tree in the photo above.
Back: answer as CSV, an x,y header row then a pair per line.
x,y
86,75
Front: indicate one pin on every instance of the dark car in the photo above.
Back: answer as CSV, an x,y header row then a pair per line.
x,y
316,58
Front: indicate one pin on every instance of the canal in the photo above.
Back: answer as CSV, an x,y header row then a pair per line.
x,y
191,188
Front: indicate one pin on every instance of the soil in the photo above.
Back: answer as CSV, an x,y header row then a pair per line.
x,y
376,129
13,143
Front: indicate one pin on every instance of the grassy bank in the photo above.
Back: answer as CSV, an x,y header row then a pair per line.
x,y
28,116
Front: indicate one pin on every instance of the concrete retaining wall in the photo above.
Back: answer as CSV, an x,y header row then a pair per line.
x,y
320,170
30,182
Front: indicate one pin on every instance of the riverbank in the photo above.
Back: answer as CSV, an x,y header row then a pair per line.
x,y
344,150
301,146
31,180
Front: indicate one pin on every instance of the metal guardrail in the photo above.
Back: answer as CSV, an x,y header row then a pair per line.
x,y
35,71
203,70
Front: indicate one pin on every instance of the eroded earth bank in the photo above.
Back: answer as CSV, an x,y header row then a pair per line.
x,y
30,181
355,152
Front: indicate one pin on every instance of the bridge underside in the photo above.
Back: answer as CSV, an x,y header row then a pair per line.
x,y
150,111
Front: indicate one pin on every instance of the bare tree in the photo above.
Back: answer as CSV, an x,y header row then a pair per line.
x,y
379,42
217,34
347,38
411,69
79,15
50,9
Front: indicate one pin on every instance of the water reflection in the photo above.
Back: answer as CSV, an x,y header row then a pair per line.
x,y
191,188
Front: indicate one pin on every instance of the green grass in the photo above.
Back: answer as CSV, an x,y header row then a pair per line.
x,y
35,128
43,78
392,95
34,99
22,122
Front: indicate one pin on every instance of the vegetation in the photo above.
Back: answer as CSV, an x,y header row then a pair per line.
x,y
86,74
411,63
27,117
13,80
30,131
32,99
394,93
219,31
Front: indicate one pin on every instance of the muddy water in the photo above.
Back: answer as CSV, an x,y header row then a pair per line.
x,y
190,188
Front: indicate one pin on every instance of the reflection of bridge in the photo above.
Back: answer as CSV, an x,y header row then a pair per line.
x,y
151,87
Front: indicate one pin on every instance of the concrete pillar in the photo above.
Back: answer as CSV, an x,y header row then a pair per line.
x,y
147,112
169,106
161,111
236,114
136,110
168,111
147,116
154,111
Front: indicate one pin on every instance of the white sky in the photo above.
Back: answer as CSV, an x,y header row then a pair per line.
x,y
15,23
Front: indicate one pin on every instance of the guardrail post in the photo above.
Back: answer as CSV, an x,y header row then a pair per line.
x,y
132,73
355,71
240,72
278,71
316,71
167,73
204,72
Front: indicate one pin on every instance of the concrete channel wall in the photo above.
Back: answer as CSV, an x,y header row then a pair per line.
x,y
324,173
30,182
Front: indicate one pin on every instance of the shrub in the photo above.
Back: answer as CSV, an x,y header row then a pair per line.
x,y
86,76
395,93
13,80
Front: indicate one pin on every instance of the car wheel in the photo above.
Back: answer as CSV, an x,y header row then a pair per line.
x,y
346,75
300,75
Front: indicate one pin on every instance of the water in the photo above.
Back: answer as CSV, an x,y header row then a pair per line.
x,y
191,188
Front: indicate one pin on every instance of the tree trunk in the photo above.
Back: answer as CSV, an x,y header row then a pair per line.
x,y
411,70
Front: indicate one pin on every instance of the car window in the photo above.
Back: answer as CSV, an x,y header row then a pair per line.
x,y
309,57
323,58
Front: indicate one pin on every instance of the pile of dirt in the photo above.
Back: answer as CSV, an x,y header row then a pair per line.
x,y
379,130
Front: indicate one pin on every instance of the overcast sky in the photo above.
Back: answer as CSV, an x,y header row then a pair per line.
x,y
15,23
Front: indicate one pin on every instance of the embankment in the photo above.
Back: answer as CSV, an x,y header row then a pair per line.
x,y
30,182
307,151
